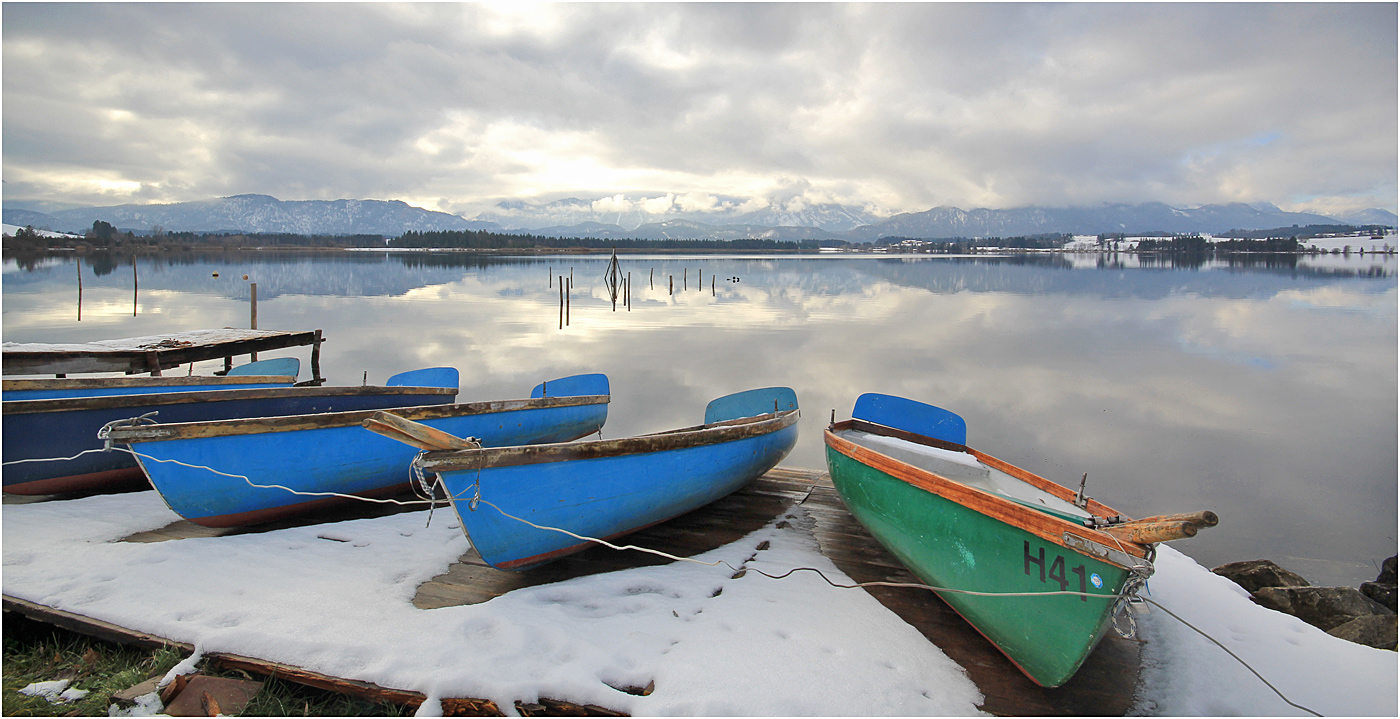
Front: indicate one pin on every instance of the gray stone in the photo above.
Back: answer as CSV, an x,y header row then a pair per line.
x,y
1377,631
1387,575
1256,574
1322,607
1382,593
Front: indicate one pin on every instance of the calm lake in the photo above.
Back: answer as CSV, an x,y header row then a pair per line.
x,y
1264,393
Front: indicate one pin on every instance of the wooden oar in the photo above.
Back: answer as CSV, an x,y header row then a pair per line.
x,y
1164,528
1200,519
414,433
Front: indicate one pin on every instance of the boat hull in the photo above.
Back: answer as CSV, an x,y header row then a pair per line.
x,y
63,388
327,453
42,429
959,538
602,489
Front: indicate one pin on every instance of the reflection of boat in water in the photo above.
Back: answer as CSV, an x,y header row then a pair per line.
x,y
68,428
1038,569
512,500
331,452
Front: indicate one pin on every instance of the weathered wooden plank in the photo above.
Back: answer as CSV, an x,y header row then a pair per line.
x,y
147,354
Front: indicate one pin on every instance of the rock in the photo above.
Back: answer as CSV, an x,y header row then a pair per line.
x,y
1384,594
1377,631
1387,575
1256,574
1322,607
127,697
211,696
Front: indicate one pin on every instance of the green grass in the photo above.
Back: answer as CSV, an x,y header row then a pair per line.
x,y
37,652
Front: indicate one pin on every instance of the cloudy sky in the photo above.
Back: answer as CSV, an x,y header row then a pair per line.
x,y
893,107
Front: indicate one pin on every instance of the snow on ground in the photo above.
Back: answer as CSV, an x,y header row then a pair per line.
x,y
12,229
337,599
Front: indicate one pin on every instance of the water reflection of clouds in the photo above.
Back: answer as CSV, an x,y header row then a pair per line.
x,y
1180,390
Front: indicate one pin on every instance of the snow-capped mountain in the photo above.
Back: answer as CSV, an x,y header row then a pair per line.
x,y
667,218
630,215
259,213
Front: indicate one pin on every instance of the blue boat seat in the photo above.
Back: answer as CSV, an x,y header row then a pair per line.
x,y
751,403
579,385
277,367
430,377
911,416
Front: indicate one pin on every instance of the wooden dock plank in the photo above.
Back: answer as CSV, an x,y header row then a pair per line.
x,y
154,353
1104,686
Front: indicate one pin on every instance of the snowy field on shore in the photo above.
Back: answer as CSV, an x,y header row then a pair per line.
x,y
337,599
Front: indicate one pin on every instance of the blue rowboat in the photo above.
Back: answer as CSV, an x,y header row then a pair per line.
x,y
608,488
330,452
280,372
63,428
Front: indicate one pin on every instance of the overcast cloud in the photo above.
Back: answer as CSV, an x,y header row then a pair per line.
x,y
894,107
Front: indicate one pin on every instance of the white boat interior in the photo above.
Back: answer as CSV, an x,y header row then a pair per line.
x,y
963,468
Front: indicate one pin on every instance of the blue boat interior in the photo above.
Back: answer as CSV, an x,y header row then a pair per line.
x,y
430,377
579,385
911,416
278,367
751,403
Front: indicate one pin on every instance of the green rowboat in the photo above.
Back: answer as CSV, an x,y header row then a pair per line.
x,y
1040,571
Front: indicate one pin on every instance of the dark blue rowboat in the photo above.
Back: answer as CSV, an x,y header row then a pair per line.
x,y
280,372
608,488
330,452
66,427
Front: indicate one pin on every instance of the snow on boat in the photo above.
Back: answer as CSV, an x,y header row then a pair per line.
x,y
330,451
1064,565
35,429
280,372
608,488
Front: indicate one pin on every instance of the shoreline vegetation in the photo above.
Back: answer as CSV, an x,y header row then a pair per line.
x,y
1369,239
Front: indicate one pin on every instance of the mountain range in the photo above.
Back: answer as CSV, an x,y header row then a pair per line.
x,y
574,217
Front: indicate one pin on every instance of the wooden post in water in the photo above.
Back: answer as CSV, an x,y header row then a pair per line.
x,y
316,360
685,278
253,319
133,286
653,278
78,261
551,277
629,290
672,289
712,285
561,302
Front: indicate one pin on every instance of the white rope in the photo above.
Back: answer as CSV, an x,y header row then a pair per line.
x,y
913,585
53,459
251,483
428,487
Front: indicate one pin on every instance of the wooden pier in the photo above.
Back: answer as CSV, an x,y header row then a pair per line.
x,y
1104,686
156,353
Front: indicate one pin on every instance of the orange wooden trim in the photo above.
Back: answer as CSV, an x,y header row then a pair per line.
x,y
1094,507
1049,528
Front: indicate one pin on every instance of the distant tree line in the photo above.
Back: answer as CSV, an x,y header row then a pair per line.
x,y
1197,245
104,236
486,240
1307,232
965,245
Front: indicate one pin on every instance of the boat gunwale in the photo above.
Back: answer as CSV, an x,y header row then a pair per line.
x,y
690,437
53,383
120,401
1045,526
329,420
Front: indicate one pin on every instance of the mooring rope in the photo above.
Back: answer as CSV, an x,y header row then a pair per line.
x,y
910,585
429,488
